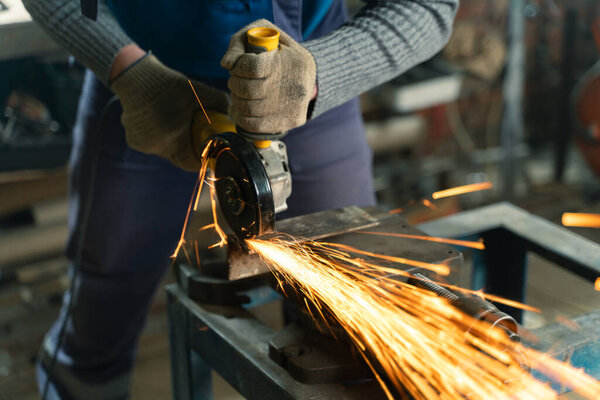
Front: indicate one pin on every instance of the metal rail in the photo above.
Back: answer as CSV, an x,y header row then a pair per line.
x,y
509,233
235,344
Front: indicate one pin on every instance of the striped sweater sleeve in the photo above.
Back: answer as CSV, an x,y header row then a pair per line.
x,y
386,38
93,43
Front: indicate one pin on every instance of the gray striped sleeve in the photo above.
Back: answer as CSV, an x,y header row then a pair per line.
x,y
383,40
93,43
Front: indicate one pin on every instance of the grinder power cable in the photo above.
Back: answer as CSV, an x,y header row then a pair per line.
x,y
251,171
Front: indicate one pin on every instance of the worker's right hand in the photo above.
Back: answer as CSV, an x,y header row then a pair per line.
x,y
158,108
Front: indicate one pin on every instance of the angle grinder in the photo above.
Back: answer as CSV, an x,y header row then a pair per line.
x,y
251,171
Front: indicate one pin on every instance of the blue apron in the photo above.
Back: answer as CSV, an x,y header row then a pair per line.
x,y
192,37
140,200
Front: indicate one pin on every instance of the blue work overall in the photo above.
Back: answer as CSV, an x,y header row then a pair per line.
x,y
139,201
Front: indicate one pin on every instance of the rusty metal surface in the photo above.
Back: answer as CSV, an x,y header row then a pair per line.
x,y
343,226
324,224
327,223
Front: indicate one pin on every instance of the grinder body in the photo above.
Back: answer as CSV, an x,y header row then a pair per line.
x,y
251,170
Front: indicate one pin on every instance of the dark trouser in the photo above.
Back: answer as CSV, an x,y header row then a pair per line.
x,y
136,214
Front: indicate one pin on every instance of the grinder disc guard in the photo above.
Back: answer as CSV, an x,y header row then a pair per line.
x,y
242,185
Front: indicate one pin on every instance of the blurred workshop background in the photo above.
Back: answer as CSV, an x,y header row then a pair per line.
x,y
495,105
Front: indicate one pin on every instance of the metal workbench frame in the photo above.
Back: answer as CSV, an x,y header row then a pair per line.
x,y
509,233
222,336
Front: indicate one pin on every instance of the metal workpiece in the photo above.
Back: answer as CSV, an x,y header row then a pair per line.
x,y
474,306
316,226
483,310
343,226
275,161
242,264
328,223
423,282
347,226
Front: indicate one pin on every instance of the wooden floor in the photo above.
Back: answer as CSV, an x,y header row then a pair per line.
x,y
30,303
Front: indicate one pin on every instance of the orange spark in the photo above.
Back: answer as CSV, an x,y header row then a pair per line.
x,y
428,204
199,102
396,211
379,271
581,220
462,190
491,297
218,229
181,242
502,300
423,345
205,227
437,268
187,256
187,216
197,253
202,174
597,284
463,243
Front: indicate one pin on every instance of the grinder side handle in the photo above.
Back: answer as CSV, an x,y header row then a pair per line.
x,y
259,40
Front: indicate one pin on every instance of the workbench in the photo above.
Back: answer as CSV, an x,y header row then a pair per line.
x,y
234,343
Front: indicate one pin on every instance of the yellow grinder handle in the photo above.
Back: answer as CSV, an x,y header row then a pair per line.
x,y
259,40
265,39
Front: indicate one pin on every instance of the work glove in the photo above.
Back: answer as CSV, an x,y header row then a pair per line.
x,y
158,109
270,91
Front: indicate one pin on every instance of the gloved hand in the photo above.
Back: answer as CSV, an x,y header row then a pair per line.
x,y
270,91
158,108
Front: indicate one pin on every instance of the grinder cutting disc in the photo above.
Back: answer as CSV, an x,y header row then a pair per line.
x,y
242,186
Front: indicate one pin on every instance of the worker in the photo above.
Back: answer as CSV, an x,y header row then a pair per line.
x,y
133,167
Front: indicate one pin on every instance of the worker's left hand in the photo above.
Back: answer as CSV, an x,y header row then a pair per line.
x,y
270,91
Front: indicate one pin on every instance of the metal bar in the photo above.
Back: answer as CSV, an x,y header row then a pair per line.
x,y
343,226
512,122
565,123
555,243
506,269
181,370
235,344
